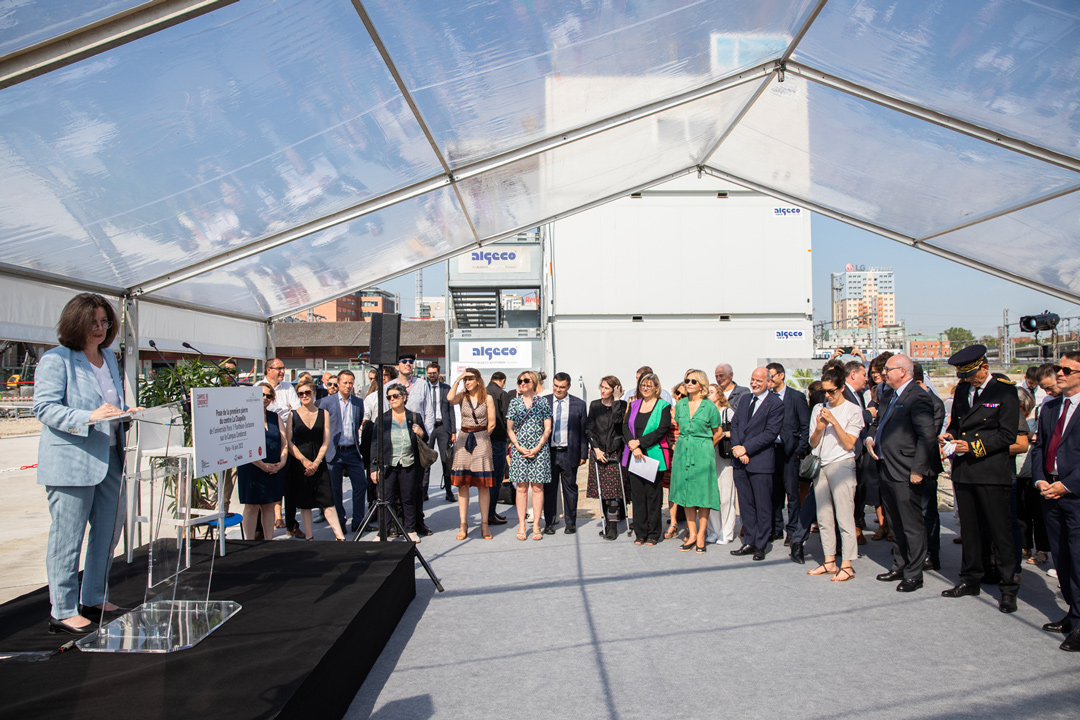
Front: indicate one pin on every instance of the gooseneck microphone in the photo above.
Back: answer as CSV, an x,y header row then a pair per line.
x,y
163,358
189,346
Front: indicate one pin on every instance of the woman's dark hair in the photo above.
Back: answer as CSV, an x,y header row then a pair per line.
x,y
73,328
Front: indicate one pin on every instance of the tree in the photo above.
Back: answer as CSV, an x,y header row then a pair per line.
x,y
989,341
960,337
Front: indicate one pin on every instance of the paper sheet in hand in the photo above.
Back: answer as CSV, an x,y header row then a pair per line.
x,y
646,467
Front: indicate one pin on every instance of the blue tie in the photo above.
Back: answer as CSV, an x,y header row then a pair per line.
x,y
888,410
558,423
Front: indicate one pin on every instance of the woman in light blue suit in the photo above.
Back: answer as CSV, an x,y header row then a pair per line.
x,y
80,464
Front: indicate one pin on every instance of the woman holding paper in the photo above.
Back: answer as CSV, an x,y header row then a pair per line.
x,y
646,455
79,463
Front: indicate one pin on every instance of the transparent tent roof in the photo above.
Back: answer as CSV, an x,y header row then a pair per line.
x,y
257,157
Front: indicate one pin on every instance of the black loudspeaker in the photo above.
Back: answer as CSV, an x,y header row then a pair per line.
x,y
385,338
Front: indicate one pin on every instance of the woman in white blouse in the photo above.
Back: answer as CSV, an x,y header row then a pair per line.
x,y
835,430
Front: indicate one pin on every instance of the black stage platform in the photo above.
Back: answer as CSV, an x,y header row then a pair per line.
x,y
315,617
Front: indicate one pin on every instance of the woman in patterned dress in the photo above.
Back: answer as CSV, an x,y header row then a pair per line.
x,y
604,430
528,425
473,465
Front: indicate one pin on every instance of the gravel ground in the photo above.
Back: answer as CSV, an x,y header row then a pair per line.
x,y
22,426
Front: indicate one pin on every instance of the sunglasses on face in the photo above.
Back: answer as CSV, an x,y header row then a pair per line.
x,y
393,396
524,381
267,396
690,381
406,361
304,393
1066,371
832,391
332,386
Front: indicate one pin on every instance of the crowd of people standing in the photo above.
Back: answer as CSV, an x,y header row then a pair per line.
x,y
789,464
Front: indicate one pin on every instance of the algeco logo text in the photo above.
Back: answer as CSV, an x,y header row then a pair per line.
x,y
787,211
789,334
490,352
489,256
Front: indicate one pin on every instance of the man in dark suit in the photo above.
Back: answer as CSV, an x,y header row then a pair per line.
x,y
346,418
1055,468
754,427
985,416
929,486
569,450
904,443
792,444
499,439
444,432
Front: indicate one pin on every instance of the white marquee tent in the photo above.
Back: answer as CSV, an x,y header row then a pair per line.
x,y
216,164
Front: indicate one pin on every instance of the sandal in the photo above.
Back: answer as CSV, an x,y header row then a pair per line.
x,y
522,535
484,532
844,574
279,524
686,547
880,534
463,532
537,535
823,569
1038,558
672,531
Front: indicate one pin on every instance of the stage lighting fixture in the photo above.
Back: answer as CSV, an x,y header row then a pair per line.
x,y
1039,323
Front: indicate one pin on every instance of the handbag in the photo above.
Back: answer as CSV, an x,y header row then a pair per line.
x,y
810,467
724,446
427,455
507,494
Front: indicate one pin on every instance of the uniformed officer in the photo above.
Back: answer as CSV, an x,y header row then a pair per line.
x,y
985,415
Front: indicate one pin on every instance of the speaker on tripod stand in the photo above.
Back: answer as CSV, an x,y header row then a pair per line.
x,y
385,344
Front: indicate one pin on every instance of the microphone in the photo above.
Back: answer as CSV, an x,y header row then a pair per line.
x,y
163,359
189,347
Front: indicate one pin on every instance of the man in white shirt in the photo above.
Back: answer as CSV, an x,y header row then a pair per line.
x,y
346,419
725,378
285,398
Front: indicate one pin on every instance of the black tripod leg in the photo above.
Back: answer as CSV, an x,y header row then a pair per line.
x,y
416,550
367,519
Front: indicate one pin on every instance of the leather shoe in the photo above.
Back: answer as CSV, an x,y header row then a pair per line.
x,y
569,530
797,555
1007,604
759,554
744,550
1061,626
777,536
909,585
58,626
1072,643
961,590
496,520
450,496
787,541
549,530
424,530
929,564
891,576
497,516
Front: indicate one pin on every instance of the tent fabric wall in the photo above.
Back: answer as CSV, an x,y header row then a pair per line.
x,y
270,155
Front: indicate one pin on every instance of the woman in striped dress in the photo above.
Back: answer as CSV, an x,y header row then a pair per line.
x,y
473,465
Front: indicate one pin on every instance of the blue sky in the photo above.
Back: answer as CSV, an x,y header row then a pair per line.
x,y
932,293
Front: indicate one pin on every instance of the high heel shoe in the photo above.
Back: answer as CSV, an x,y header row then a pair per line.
x,y
463,532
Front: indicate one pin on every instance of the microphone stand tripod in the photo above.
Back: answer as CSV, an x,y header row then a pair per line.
x,y
381,504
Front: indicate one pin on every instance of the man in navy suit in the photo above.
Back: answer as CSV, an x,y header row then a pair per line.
x,y
444,433
757,421
346,418
792,444
903,445
569,450
1055,468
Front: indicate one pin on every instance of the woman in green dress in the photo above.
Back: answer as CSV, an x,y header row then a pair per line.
x,y
693,469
